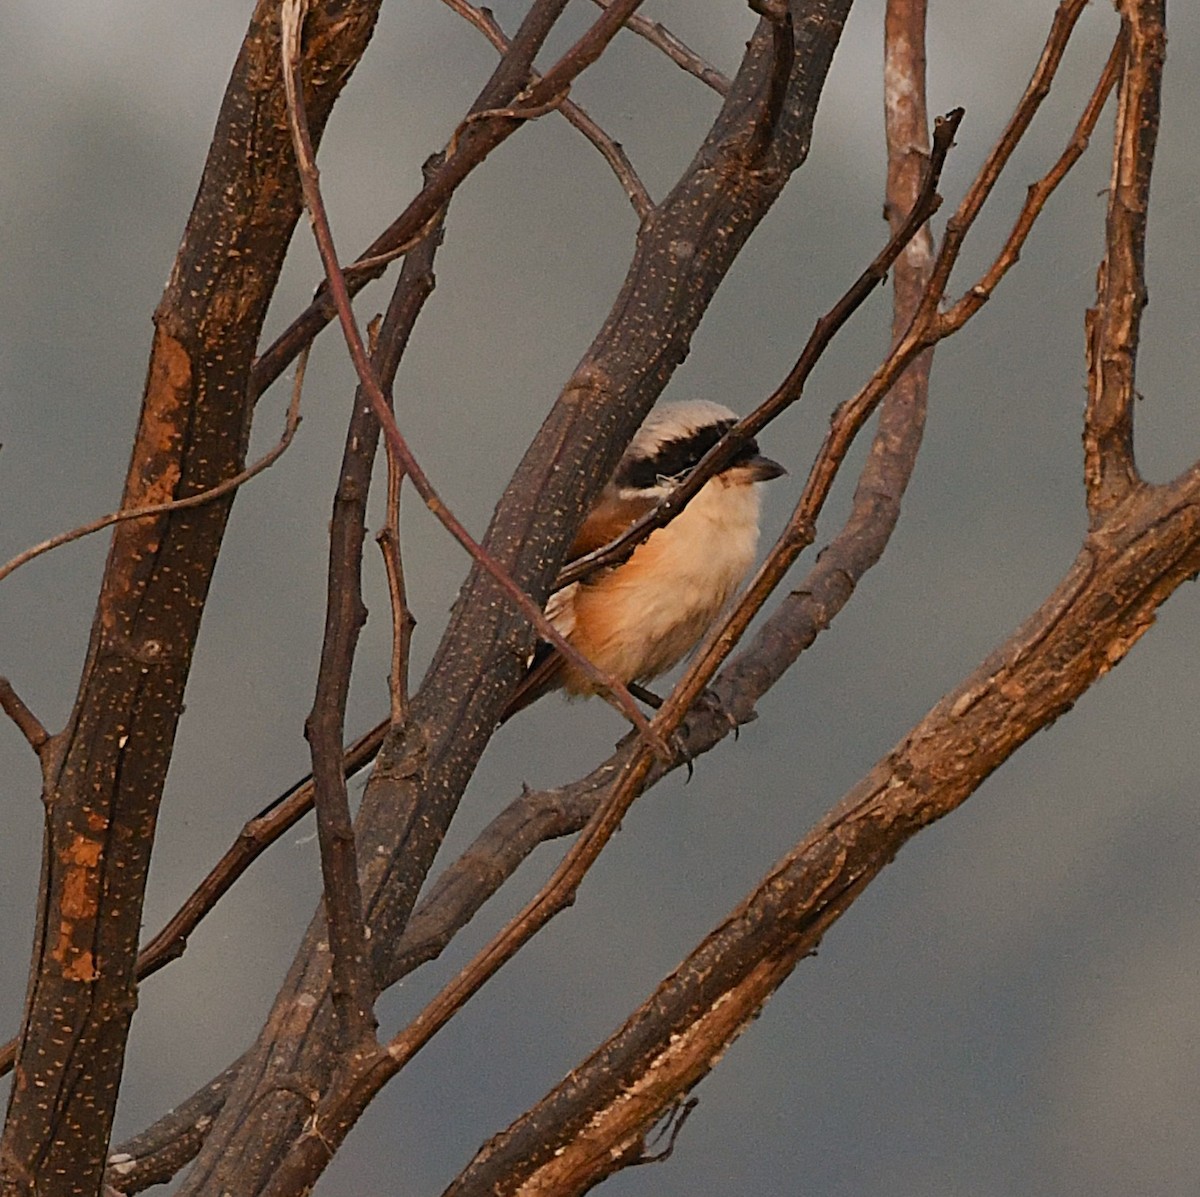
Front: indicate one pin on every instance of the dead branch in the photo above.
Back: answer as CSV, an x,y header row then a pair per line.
x,y
610,150
27,723
659,36
1126,569
268,459
1114,324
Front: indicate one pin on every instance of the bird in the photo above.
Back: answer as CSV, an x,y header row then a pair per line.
x,y
638,619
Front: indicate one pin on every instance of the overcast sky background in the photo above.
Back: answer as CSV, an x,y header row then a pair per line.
x,y
1013,1007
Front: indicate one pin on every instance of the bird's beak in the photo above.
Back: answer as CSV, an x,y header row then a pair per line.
x,y
762,469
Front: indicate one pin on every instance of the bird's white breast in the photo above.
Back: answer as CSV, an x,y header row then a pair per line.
x,y
643,617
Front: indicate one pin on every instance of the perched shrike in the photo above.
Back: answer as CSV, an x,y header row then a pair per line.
x,y
638,619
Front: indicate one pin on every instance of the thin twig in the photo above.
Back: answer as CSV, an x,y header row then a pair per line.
x,y
611,150
1114,324
402,618
1038,88
586,50
291,424
352,986
259,833
659,36
957,314
28,724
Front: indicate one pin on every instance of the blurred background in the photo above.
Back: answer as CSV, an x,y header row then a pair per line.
x,y
1014,1006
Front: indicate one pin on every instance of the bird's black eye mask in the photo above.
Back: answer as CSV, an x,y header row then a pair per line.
x,y
673,459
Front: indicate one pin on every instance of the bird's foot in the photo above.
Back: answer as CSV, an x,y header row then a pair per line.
x,y
642,694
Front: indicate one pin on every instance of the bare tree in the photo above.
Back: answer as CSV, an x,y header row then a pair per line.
x,y
274,1119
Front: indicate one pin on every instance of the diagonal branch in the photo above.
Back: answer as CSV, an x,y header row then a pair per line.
x,y
1123,573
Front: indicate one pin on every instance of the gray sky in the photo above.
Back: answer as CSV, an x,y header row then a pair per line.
x,y
1013,1007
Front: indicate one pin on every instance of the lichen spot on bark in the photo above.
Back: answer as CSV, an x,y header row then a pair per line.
x,y
156,457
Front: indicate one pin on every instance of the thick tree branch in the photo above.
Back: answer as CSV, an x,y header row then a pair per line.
x,y
163,1149
111,759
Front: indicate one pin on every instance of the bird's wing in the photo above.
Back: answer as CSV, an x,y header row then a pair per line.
x,y
609,518
546,666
